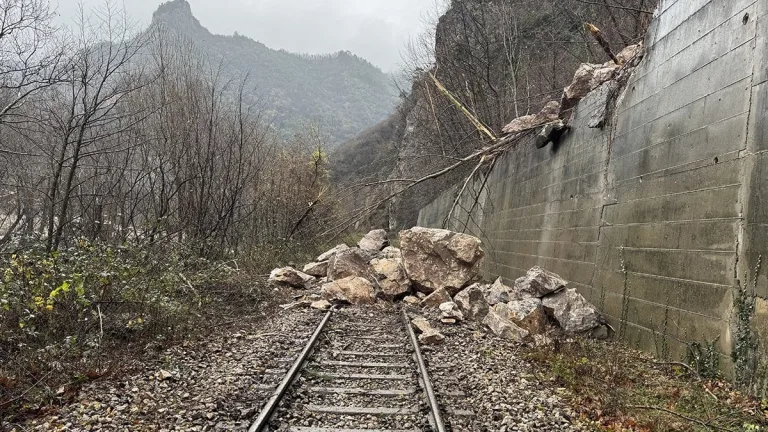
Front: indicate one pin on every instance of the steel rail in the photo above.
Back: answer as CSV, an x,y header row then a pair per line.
x,y
271,405
433,405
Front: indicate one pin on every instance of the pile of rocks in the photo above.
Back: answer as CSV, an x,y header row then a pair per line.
x,y
438,270
427,260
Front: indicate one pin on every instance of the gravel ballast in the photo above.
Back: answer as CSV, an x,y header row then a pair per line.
x,y
221,384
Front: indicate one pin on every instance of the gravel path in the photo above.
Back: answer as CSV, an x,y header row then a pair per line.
x,y
222,383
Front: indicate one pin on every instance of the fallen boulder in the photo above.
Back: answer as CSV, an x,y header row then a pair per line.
x,y
471,301
392,278
548,114
291,277
317,269
504,328
450,310
436,298
411,300
374,241
630,52
527,314
498,292
390,252
435,258
587,78
353,289
551,132
421,324
331,252
432,337
320,304
572,311
539,282
428,335
349,262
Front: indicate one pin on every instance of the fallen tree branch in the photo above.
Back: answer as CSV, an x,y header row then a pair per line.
x,y
498,147
472,118
461,192
600,38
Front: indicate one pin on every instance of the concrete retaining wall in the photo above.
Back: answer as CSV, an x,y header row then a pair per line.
x,y
655,217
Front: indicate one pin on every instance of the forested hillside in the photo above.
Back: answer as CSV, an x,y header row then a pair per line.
x,y
501,59
342,92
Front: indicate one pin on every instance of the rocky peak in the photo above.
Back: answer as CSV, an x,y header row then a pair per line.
x,y
177,13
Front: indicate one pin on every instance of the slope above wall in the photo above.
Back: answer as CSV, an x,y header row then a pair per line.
x,y
656,216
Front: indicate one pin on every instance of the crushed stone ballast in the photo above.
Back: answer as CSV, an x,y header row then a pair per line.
x,y
359,371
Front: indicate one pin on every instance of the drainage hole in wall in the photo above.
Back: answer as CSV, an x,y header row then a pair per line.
x,y
571,196
745,20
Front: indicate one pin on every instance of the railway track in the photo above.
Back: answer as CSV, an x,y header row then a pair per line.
x,y
359,371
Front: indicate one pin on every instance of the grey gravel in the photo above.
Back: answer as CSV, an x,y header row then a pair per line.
x,y
219,384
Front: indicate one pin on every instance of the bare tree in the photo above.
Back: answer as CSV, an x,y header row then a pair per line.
x,y
32,53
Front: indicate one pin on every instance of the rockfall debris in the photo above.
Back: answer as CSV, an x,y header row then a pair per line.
x,y
438,271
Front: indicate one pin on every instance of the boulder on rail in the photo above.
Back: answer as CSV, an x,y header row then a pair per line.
x,y
291,277
354,290
436,258
392,279
350,262
428,335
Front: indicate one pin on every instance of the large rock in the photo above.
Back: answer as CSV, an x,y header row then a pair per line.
x,y
550,113
539,282
471,301
350,262
587,78
374,241
572,311
317,269
292,277
504,328
436,258
501,293
353,289
527,314
630,52
392,279
390,252
331,252
436,298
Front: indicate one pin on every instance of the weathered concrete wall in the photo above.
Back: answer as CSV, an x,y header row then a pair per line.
x,y
654,217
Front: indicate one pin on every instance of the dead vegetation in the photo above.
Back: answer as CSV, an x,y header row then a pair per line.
x,y
616,388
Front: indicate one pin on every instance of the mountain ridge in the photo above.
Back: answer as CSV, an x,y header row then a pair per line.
x,y
343,92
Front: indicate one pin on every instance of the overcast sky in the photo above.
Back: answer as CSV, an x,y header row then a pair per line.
x,y
374,29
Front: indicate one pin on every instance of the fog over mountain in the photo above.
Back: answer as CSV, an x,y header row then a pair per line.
x,y
376,30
